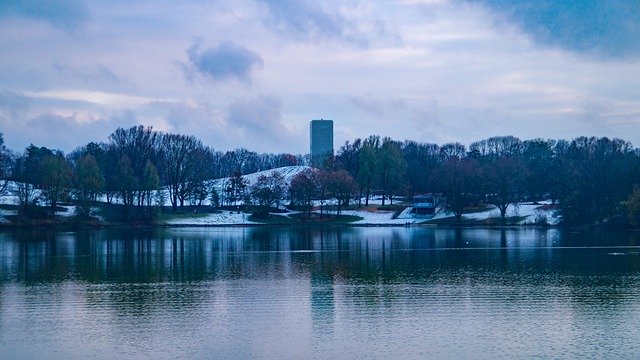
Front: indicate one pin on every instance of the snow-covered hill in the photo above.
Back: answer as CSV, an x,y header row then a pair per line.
x,y
287,172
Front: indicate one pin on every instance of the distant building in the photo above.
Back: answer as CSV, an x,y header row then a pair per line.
x,y
321,140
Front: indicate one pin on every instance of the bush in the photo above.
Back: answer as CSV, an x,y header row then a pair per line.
x,y
541,219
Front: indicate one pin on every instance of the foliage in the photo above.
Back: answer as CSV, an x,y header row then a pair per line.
x,y
88,181
55,179
342,187
6,162
503,180
235,188
597,175
187,166
392,167
268,191
633,206
457,180
590,179
303,189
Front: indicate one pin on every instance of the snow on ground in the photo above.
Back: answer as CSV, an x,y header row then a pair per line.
x,y
223,218
377,217
287,172
71,211
5,213
532,213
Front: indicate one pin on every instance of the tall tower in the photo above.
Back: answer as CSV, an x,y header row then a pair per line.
x,y
321,140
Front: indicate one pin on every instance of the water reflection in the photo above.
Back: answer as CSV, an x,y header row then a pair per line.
x,y
365,254
300,292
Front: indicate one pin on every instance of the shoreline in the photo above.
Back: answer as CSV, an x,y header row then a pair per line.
x,y
73,226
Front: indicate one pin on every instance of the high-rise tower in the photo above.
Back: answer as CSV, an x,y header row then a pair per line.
x,y
321,140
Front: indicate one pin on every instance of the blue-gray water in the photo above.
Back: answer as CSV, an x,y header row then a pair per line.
x,y
365,293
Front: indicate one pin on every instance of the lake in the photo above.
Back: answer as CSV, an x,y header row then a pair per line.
x,y
273,293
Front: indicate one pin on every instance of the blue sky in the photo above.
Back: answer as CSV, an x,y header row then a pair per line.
x,y
253,73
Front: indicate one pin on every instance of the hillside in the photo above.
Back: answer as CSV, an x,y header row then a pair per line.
x,y
287,172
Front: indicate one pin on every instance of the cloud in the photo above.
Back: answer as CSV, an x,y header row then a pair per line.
x,y
65,14
88,74
62,131
194,118
13,104
310,20
259,120
307,19
609,29
224,62
391,116
25,119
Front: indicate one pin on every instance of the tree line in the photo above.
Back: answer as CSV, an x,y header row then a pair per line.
x,y
128,169
591,179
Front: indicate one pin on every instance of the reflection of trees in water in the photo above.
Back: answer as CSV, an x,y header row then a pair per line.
x,y
367,254
339,255
322,298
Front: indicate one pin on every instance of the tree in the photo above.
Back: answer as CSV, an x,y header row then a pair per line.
x,y
538,158
108,165
598,175
139,145
268,191
214,197
341,187
457,180
633,206
55,179
6,162
126,182
451,150
496,147
503,178
321,179
88,181
150,182
348,155
421,160
235,188
303,190
368,167
26,174
391,168
198,193
186,163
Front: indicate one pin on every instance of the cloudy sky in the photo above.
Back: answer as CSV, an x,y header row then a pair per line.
x,y
253,73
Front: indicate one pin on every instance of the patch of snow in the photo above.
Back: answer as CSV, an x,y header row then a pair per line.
x,y
287,173
223,218
377,217
406,213
71,211
530,211
5,213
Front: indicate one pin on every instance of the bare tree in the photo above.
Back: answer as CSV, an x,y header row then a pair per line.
x,y
186,162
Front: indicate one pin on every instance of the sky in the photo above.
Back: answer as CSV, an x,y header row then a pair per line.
x,y
253,73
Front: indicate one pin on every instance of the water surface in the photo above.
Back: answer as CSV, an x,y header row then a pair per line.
x,y
310,293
